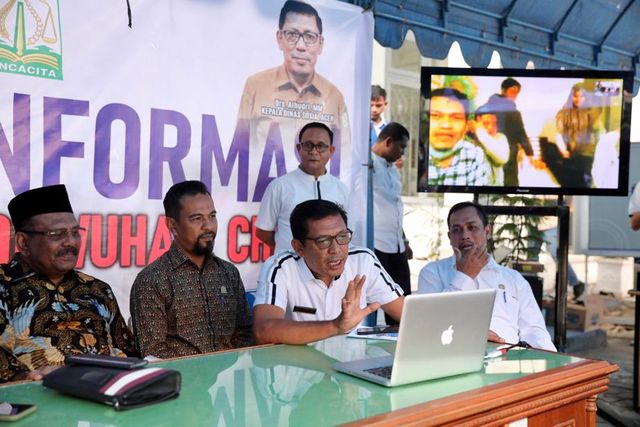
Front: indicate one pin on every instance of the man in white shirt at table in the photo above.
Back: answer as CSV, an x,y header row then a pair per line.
x,y
323,289
516,315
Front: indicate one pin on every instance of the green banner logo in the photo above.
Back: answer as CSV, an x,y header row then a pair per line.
x,y
30,38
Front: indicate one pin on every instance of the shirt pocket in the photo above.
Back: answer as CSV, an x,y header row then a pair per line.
x,y
509,299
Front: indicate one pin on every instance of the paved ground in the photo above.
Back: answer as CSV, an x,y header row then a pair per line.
x,y
615,407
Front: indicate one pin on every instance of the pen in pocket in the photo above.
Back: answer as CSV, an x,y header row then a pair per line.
x,y
504,292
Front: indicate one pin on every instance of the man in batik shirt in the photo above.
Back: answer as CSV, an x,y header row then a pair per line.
x,y
47,309
189,301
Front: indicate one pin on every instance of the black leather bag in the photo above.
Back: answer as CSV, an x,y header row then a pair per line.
x,y
120,388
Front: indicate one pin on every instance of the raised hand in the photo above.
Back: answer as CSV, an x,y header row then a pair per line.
x,y
472,260
352,314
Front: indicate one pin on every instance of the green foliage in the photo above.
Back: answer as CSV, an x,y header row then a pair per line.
x,y
519,233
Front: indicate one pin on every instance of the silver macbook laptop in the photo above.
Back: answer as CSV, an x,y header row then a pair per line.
x,y
440,335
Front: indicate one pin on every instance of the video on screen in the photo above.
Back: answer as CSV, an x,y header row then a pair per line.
x,y
522,133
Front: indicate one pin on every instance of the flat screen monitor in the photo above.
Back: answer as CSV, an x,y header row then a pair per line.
x,y
525,131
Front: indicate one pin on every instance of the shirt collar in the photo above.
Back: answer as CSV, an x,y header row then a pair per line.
x,y
379,159
311,177
283,83
307,275
178,258
490,265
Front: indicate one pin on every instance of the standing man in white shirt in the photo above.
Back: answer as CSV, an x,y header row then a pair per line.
x,y
516,315
309,181
391,248
379,104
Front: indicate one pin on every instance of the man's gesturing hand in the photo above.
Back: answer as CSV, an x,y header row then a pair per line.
x,y
352,314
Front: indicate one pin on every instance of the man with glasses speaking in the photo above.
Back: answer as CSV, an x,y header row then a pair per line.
x,y
278,101
48,310
323,287
309,181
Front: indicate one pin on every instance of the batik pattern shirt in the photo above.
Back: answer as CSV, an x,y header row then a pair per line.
x,y
179,309
41,323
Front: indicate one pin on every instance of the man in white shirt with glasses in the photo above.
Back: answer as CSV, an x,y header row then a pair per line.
x,y
310,180
323,287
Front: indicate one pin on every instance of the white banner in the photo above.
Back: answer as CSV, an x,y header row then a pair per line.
x,y
120,114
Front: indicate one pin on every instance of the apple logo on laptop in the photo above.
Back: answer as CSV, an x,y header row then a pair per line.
x,y
447,336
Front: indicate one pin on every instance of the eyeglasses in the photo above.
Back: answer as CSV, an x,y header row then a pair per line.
x,y
59,234
309,146
292,36
323,242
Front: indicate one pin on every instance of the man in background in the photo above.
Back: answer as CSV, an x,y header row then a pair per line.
x,y
48,310
511,125
189,301
391,246
516,315
378,106
310,180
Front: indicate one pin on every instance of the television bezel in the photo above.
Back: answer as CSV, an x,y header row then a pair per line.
x,y
625,130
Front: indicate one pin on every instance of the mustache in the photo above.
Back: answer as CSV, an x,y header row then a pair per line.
x,y
66,251
204,235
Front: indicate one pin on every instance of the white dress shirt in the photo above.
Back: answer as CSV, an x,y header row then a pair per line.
x,y
286,281
516,315
388,210
286,192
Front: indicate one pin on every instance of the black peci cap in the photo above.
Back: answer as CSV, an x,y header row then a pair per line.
x,y
53,198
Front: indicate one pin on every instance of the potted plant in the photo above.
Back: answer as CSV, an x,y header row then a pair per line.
x,y
519,233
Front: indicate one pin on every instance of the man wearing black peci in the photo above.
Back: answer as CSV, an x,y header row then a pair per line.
x,y
48,310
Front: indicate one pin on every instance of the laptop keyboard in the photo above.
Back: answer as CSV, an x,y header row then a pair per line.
x,y
383,371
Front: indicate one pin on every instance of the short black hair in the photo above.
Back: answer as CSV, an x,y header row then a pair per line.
x,y
394,130
456,95
378,91
509,82
317,125
313,209
171,201
295,6
463,205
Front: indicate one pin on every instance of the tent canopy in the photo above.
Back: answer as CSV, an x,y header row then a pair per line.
x,y
572,34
